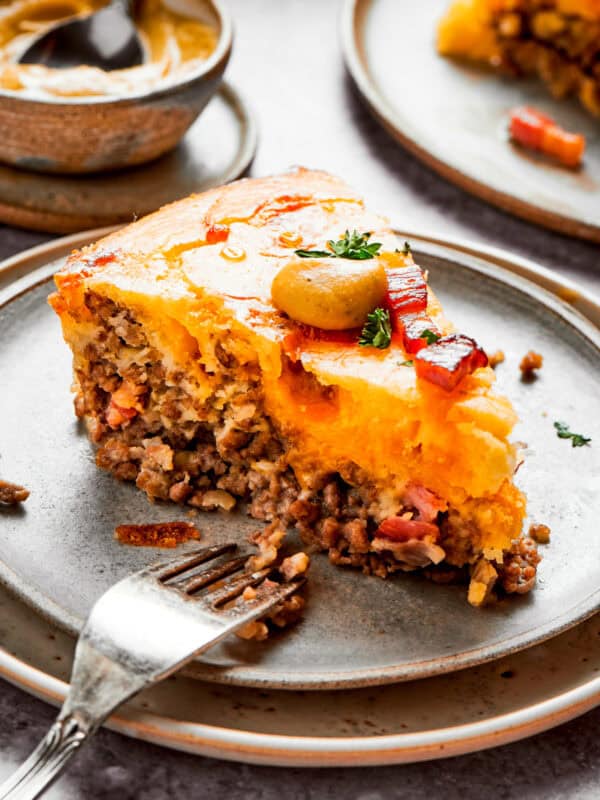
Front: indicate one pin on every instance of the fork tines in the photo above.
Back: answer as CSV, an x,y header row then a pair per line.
x,y
265,600
236,586
181,575
201,578
175,566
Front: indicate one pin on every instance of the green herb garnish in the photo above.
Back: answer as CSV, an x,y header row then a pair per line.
x,y
429,336
313,253
353,245
405,363
377,331
563,432
406,250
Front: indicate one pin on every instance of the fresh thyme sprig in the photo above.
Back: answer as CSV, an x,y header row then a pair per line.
x,y
563,432
353,245
377,331
429,336
314,253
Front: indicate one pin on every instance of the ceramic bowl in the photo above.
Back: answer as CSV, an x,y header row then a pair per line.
x,y
95,134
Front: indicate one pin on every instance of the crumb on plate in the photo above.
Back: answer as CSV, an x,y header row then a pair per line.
x,y
495,358
530,363
481,585
269,541
540,533
157,534
11,494
294,565
257,630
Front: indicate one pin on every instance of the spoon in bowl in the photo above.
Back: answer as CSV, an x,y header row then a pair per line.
x,y
107,39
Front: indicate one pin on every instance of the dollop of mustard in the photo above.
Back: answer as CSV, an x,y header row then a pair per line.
x,y
174,44
332,294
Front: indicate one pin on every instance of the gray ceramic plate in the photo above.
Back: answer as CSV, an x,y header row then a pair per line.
x,y
485,706
453,116
58,552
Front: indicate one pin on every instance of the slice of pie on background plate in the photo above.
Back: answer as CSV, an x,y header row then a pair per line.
x,y
390,455
557,40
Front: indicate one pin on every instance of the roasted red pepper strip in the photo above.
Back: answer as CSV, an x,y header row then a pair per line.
x,y
449,360
407,291
217,233
533,129
411,327
527,126
406,300
401,530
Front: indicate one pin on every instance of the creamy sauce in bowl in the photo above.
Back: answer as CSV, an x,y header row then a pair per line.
x,y
175,45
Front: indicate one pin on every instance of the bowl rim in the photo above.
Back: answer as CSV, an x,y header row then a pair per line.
x,y
219,57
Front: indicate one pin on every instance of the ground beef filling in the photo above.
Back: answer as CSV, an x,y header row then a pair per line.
x,y
150,429
564,50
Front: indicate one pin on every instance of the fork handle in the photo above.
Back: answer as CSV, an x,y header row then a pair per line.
x,y
47,761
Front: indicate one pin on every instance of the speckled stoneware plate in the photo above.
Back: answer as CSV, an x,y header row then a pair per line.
x,y
218,148
453,116
485,706
58,551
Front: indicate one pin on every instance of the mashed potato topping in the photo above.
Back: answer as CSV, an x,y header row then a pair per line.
x,y
174,45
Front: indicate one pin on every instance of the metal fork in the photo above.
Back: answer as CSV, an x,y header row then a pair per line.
x,y
140,631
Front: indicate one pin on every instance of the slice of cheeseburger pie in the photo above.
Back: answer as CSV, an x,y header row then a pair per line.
x,y
271,342
557,40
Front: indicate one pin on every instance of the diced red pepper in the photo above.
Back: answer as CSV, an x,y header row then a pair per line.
x,y
533,129
406,300
103,258
449,360
116,415
217,233
411,327
527,126
407,291
401,530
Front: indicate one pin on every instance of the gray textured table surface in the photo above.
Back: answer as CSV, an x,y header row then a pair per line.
x,y
287,62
